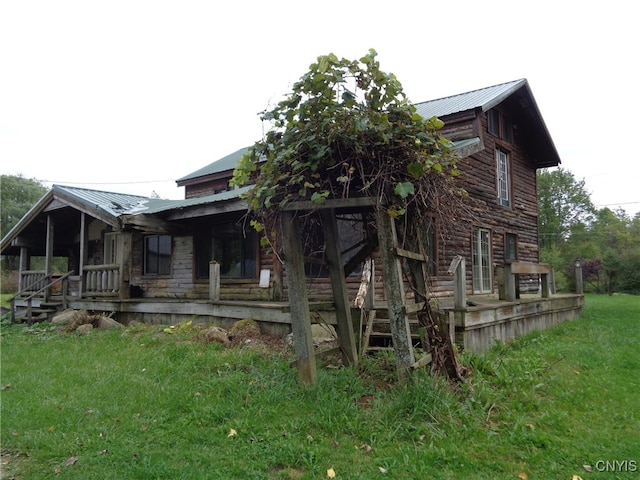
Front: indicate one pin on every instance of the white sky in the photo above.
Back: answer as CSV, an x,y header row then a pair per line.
x,y
129,95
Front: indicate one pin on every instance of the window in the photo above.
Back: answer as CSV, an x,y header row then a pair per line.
x,y
503,177
157,255
232,246
500,125
481,260
351,235
510,247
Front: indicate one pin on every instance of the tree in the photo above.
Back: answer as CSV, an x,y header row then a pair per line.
x,y
17,196
619,250
563,203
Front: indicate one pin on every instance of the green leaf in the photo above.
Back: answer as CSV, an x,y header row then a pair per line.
x,y
319,197
404,189
416,170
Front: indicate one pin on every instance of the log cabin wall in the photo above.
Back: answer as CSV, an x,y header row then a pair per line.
x,y
479,180
208,187
181,282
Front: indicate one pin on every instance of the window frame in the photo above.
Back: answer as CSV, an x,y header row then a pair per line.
x,y
503,177
161,268
482,276
500,125
212,240
510,243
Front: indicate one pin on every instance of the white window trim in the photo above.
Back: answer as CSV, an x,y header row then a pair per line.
x,y
482,272
503,177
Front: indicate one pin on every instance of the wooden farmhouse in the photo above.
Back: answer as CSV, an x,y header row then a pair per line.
x,y
165,261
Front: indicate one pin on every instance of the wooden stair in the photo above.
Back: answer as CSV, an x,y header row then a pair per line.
x,y
379,336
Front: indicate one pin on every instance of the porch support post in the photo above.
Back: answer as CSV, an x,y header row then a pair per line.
x,y
346,337
393,287
509,284
544,280
24,265
83,252
298,299
460,285
48,256
125,265
214,281
579,286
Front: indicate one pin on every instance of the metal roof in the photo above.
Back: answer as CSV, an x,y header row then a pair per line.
x,y
221,165
111,203
118,204
484,98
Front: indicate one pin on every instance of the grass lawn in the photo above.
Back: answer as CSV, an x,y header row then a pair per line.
x,y
144,405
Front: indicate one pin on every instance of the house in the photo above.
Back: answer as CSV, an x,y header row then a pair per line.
x,y
167,260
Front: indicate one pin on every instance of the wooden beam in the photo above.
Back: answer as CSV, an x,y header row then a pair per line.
x,y
530,268
298,299
344,327
394,290
49,255
332,203
410,255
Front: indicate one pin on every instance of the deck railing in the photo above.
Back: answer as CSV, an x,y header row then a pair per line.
x,y
32,280
101,280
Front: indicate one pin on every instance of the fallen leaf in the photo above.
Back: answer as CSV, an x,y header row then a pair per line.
x,y
530,426
6,387
309,438
365,447
382,470
588,468
523,476
576,477
51,428
232,433
331,473
71,461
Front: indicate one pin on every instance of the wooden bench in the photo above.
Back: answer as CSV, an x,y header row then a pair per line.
x,y
508,275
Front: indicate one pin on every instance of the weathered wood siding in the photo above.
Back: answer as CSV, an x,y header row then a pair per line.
x,y
479,180
181,283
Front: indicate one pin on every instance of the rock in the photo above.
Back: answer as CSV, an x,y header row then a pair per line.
x,y
86,329
68,316
106,323
323,333
247,328
215,334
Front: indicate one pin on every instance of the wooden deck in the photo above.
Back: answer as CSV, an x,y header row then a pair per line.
x,y
486,319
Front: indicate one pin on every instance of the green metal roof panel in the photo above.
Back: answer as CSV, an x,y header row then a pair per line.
x,y
221,165
118,204
155,205
484,98
114,204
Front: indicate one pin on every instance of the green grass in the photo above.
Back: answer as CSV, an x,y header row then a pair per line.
x,y
144,406
5,299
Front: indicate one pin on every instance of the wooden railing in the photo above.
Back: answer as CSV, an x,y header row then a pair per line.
x,y
101,280
38,289
32,280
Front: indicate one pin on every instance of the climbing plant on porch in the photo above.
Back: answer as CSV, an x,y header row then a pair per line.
x,y
348,130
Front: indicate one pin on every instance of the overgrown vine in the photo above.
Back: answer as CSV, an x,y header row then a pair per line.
x,y
347,129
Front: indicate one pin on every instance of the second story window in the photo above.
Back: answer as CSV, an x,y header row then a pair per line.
x,y
503,177
500,126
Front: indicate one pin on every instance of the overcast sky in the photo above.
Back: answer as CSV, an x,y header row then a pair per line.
x,y
130,95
